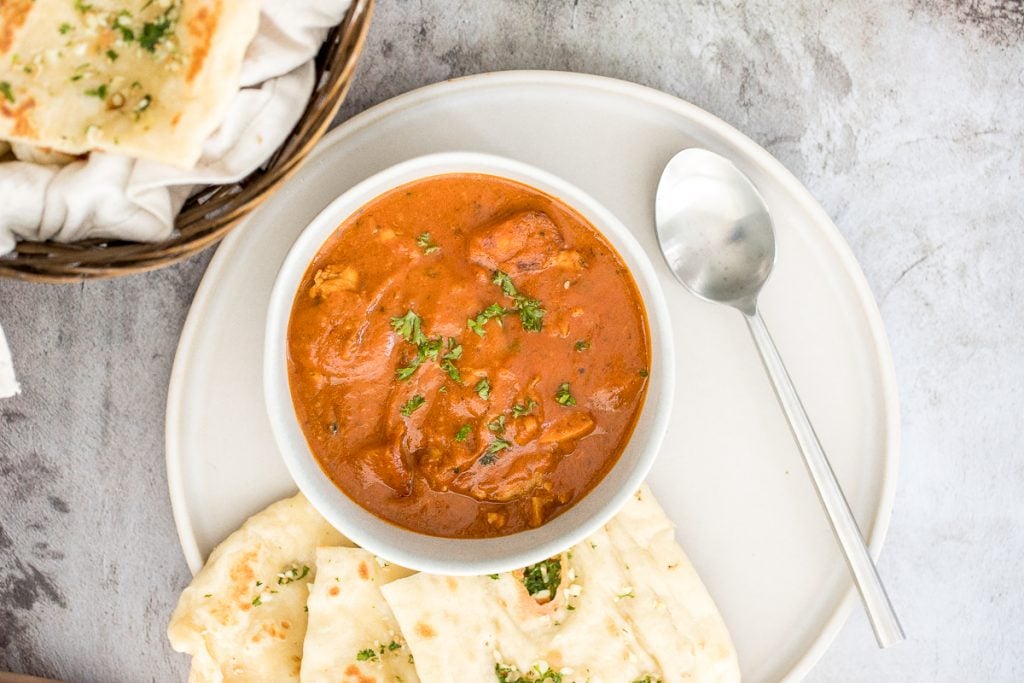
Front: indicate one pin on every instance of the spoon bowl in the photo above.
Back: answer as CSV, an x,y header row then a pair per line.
x,y
714,229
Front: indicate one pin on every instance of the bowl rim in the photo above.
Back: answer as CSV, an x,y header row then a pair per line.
x,y
475,556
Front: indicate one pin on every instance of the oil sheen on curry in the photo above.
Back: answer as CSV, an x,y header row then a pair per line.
x,y
467,356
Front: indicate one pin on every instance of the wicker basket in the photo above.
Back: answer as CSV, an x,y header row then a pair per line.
x,y
209,214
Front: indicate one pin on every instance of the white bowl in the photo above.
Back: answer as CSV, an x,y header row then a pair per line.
x,y
485,555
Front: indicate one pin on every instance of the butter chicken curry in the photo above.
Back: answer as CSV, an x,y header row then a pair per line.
x,y
467,356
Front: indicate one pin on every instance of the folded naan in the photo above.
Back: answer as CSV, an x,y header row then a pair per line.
x,y
243,617
623,606
145,78
352,635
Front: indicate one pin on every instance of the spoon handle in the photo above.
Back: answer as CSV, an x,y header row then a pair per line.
x,y
880,612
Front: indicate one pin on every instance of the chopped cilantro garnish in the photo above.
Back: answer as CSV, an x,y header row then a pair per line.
x,y
99,91
429,348
426,243
409,327
257,601
208,595
582,345
366,655
563,397
82,6
497,425
406,372
112,55
493,576
483,389
495,447
292,573
505,282
531,312
507,674
543,576
643,372
412,405
454,351
463,432
449,367
5,90
521,410
492,312
65,28
394,645
153,32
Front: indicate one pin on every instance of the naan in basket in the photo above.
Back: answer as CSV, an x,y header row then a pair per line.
x,y
145,78
624,606
243,617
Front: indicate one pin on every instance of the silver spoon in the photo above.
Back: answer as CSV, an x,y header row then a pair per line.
x,y
716,234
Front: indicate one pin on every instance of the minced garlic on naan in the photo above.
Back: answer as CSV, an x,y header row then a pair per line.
x,y
145,78
243,617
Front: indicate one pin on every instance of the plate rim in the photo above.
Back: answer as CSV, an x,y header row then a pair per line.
x,y
882,514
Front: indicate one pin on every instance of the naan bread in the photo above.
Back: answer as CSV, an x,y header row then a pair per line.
x,y
144,78
352,635
243,616
629,607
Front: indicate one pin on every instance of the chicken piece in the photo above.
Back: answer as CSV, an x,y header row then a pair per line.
x,y
385,463
570,427
332,279
519,243
527,429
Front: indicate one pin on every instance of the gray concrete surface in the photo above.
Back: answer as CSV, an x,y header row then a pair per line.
x,y
905,119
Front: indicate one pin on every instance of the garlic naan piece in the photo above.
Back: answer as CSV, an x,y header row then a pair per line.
x,y
146,78
628,606
352,635
243,617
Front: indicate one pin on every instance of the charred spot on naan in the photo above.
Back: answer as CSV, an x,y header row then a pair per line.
x,y
22,126
13,14
201,28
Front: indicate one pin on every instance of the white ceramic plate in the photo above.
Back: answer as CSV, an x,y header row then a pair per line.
x,y
729,475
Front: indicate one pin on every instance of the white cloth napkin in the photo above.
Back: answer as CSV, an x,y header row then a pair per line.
x,y
8,385
112,196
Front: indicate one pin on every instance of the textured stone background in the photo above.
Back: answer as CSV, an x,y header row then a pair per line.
x,y
905,119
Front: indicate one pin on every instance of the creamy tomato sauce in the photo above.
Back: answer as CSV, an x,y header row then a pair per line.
x,y
467,356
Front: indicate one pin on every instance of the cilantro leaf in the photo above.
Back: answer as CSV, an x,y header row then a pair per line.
x,y
543,576
521,410
426,243
412,405
409,327
483,389
497,425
